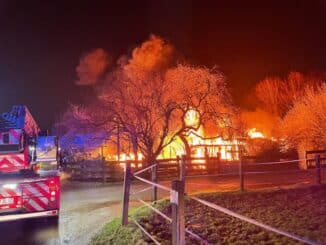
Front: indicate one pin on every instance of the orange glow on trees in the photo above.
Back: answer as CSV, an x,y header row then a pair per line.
x,y
148,98
304,128
278,95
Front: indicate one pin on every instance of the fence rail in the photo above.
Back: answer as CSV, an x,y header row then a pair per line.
x,y
177,198
169,168
176,192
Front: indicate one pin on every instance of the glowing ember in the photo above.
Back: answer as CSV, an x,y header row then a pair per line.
x,y
252,133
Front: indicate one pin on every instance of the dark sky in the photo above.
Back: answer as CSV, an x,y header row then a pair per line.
x,y
41,42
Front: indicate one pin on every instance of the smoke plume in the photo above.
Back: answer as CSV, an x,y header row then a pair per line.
x,y
153,55
91,67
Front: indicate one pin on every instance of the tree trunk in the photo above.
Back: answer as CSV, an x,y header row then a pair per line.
x,y
150,158
301,149
186,144
134,142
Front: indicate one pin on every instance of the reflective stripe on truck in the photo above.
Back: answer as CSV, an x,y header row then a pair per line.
x,y
12,162
31,196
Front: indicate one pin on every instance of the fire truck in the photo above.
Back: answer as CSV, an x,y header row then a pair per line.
x,y
29,169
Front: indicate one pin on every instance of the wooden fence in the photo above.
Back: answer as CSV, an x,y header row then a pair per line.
x,y
169,168
98,170
113,170
94,171
311,158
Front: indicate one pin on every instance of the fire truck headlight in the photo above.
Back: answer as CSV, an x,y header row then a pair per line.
x,y
10,186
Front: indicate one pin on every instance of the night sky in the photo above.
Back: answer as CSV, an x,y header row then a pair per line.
x,y
41,42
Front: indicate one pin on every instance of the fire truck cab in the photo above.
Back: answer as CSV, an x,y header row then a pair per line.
x,y
29,169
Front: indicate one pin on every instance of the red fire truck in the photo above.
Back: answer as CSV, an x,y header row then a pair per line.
x,y
29,173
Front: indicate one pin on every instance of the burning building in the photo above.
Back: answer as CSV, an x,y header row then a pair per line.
x,y
197,145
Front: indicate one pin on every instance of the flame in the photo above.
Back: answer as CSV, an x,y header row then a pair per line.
x,y
127,157
131,156
226,149
201,147
254,134
192,118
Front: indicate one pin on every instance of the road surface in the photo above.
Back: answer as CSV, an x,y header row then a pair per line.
x,y
86,207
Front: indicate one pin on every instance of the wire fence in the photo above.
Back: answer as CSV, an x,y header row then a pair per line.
x,y
177,197
174,194
252,172
153,184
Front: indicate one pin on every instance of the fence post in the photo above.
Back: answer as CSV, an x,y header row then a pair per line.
x,y
104,169
178,218
126,193
182,168
218,162
178,164
241,177
208,161
154,179
318,175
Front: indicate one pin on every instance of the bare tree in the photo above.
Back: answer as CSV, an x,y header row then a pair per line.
x,y
303,127
269,92
151,109
147,97
278,95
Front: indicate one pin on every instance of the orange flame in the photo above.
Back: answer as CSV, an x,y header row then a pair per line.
x,y
254,134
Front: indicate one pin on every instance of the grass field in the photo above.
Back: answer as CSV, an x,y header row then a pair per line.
x,y
298,211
